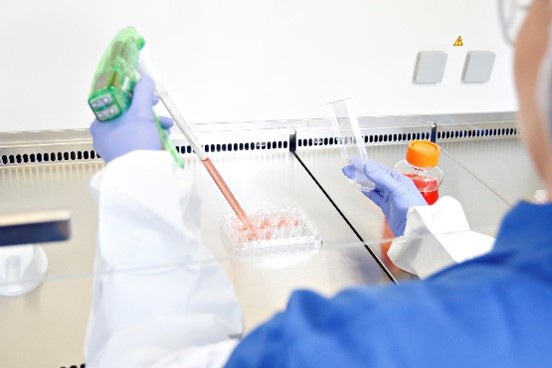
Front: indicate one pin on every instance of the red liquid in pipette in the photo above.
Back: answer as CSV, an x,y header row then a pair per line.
x,y
221,184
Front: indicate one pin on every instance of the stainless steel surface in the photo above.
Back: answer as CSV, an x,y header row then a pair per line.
x,y
46,327
502,165
35,227
277,180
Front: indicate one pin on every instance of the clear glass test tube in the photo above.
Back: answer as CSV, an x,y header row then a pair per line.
x,y
350,141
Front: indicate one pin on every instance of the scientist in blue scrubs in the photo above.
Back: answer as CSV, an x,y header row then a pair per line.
x,y
160,300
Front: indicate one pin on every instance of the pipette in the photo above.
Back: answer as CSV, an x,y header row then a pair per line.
x,y
146,67
125,59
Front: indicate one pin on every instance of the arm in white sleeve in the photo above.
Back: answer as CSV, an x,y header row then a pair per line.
x,y
437,237
160,299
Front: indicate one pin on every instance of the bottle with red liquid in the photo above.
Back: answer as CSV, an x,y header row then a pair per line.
x,y
420,165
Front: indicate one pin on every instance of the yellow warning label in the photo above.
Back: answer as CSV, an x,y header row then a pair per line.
x,y
458,42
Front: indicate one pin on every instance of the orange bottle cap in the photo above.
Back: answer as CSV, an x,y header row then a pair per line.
x,y
423,153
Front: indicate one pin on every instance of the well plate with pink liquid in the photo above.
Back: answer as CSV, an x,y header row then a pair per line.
x,y
270,231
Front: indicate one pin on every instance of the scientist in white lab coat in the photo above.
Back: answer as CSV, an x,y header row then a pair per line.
x,y
161,301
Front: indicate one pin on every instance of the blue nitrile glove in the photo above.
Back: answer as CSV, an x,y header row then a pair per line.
x,y
134,130
394,192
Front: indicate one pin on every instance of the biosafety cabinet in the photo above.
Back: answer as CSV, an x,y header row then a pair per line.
x,y
265,69
269,164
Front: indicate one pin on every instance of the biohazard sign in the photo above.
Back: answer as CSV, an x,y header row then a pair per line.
x,y
458,42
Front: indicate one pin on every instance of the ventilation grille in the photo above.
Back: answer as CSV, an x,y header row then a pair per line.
x,y
47,157
52,147
498,132
369,138
309,138
247,146
20,152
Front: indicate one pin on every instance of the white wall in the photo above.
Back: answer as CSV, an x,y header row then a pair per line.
x,y
251,59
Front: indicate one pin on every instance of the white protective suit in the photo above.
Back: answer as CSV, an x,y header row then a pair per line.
x,y
436,237
161,300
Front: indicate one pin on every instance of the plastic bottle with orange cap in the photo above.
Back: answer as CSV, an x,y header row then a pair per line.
x,y
420,165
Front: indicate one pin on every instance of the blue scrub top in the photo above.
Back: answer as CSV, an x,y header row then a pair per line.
x,y
493,311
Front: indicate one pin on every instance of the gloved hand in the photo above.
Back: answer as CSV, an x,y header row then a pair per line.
x,y
134,130
394,192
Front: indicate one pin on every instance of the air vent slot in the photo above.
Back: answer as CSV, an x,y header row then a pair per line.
x,y
47,157
53,149
477,133
369,138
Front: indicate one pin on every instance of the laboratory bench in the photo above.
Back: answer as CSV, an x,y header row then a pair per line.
x,y
280,164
